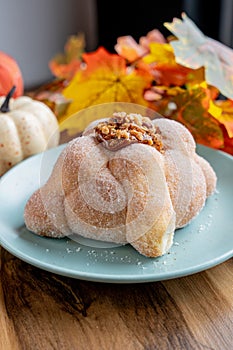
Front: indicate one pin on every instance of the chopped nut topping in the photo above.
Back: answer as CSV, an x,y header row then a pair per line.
x,y
105,130
123,129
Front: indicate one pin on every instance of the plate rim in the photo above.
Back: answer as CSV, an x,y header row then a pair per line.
x,y
124,279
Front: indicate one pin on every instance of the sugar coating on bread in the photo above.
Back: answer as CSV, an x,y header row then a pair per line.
x,y
210,175
191,179
126,180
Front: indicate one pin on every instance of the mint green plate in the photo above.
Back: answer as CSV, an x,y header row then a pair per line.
x,y
206,242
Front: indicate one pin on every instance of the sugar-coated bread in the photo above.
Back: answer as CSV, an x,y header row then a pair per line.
x,y
127,180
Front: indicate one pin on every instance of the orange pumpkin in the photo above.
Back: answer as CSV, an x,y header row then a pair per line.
x,y
10,74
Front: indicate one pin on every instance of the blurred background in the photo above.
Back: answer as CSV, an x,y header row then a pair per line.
x,y
34,31
214,18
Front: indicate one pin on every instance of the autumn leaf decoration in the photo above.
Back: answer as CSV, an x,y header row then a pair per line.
x,y
106,78
191,108
164,67
186,76
65,65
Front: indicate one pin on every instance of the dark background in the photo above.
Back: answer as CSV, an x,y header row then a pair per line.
x,y
137,18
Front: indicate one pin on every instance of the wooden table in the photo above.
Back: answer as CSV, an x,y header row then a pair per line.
x,y
41,310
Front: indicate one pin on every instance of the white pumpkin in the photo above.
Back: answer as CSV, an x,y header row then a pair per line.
x,y
27,127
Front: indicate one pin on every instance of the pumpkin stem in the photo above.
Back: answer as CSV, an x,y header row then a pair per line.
x,y
5,106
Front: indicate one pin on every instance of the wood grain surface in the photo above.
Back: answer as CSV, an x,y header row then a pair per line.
x,y
41,310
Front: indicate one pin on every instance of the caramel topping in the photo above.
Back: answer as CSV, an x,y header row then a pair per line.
x,y
124,129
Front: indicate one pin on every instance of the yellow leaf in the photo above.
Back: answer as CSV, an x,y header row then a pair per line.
x,y
226,117
214,110
160,53
105,79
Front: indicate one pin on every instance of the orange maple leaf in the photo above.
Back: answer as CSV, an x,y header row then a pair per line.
x,y
106,78
65,65
64,70
164,67
190,107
